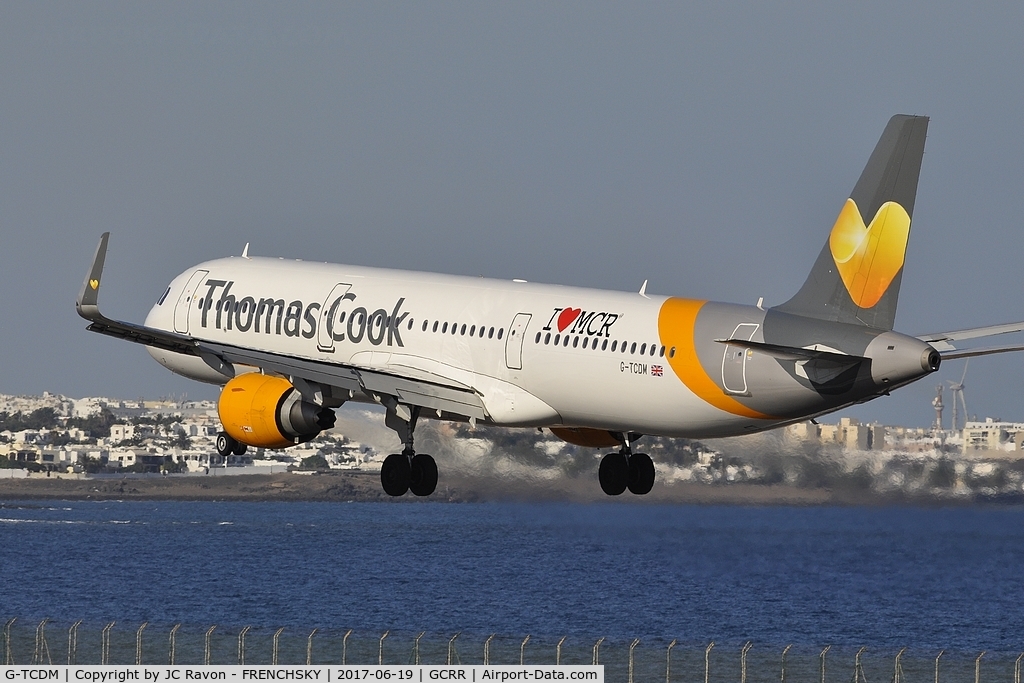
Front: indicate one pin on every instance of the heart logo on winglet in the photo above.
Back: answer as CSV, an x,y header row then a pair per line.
x,y
869,257
566,317
94,283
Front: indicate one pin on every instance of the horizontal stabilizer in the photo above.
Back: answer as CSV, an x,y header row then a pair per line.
x,y
970,353
794,353
941,340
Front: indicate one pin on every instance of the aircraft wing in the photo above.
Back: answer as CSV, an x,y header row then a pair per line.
x,y
942,341
408,385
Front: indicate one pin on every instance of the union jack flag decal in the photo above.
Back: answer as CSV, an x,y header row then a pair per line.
x,y
657,370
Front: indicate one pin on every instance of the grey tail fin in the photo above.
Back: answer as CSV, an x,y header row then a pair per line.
x,y
857,276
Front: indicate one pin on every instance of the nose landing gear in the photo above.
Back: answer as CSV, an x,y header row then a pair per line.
x,y
626,469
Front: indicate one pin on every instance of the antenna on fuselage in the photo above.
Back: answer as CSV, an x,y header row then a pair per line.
x,y
245,252
643,289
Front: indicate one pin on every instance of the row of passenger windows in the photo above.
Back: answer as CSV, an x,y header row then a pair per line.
x,y
615,345
472,330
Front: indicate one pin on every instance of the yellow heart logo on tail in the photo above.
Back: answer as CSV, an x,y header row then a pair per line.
x,y
94,283
869,257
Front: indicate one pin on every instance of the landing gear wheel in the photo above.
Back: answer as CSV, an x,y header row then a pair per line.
x,y
424,475
396,474
240,448
641,473
613,474
226,444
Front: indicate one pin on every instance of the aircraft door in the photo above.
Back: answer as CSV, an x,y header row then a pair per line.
x,y
325,331
183,308
514,341
734,362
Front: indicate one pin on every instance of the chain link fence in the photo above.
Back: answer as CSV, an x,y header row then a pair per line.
x,y
647,660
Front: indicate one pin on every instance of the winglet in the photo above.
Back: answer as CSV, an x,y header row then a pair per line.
x,y
88,300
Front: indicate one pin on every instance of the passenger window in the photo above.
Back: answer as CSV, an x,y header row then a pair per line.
x,y
435,326
547,339
653,349
472,331
482,331
410,323
501,330
342,318
444,330
672,352
424,325
586,341
632,349
643,349
575,342
604,345
455,328
565,341
614,344
463,332
558,338
490,333
661,351
537,340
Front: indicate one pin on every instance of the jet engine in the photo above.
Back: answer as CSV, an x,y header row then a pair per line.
x,y
268,412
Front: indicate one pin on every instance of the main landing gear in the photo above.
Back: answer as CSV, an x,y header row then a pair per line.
x,y
228,445
408,470
626,469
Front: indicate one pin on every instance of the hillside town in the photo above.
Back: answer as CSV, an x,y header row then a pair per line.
x,y
56,436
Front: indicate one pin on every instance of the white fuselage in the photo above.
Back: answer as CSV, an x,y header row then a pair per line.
x,y
506,340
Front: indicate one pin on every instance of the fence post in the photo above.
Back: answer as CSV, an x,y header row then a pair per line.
x,y
597,650
858,670
138,643
707,660
276,641
937,657
344,647
558,651
743,661
206,644
822,656
977,667
416,648
73,643
487,650
897,672
452,654
171,643
784,652
8,655
241,644
668,661
41,646
309,646
1016,668
380,649
105,643
632,646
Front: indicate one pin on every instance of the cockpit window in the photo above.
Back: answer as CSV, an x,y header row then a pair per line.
x,y
160,301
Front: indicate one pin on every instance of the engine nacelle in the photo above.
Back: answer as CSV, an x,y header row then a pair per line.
x,y
268,412
584,436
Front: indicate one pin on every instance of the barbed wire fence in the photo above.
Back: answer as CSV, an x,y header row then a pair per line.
x,y
629,659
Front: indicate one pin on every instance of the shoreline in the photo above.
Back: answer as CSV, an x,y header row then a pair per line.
x,y
355,486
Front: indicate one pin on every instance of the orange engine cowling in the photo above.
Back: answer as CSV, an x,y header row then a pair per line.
x,y
583,436
268,412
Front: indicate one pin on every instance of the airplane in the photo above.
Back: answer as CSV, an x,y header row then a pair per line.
x,y
290,341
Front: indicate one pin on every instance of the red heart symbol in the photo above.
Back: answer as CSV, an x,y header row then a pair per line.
x,y
566,317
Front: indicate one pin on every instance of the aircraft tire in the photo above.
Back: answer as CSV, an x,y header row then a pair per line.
x,y
240,448
424,475
641,474
613,474
396,474
226,444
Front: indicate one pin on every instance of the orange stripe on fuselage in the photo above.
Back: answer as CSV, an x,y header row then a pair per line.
x,y
676,324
